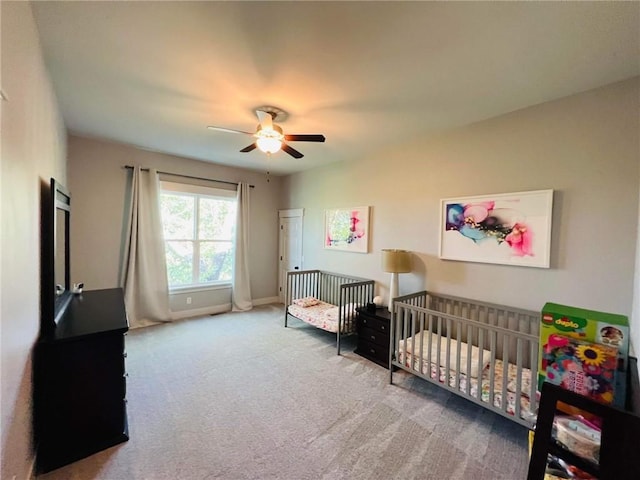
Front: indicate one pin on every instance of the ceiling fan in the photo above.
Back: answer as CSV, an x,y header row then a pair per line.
x,y
270,137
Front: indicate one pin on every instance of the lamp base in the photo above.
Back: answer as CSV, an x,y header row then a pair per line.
x,y
393,290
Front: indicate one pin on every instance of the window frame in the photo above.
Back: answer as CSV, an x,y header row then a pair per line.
x,y
197,192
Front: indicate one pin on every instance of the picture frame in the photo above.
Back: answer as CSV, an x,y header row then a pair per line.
x,y
506,228
347,229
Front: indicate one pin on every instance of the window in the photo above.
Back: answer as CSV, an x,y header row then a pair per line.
x,y
199,225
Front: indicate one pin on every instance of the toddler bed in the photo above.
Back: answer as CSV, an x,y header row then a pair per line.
x,y
483,352
326,300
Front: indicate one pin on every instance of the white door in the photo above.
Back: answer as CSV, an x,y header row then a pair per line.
x,y
290,254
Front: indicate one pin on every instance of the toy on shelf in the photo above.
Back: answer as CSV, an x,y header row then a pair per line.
x,y
579,436
604,329
582,367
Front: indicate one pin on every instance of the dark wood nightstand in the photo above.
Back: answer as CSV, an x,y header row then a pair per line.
x,y
374,327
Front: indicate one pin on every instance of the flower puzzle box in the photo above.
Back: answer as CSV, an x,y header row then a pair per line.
x,y
606,329
582,367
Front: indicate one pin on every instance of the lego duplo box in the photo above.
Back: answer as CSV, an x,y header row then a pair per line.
x,y
587,325
586,368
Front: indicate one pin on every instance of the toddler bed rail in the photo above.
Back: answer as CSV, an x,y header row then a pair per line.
x,y
336,297
483,352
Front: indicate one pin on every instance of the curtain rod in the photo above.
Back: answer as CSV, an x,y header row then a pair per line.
x,y
130,167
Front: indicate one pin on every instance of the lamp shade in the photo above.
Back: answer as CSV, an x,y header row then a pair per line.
x,y
396,261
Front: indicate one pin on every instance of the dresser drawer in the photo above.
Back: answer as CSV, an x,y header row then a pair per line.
x,y
365,321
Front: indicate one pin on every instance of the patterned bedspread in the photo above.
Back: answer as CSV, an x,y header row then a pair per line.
x,y
323,315
486,382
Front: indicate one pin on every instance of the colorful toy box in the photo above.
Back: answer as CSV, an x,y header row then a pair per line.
x,y
607,329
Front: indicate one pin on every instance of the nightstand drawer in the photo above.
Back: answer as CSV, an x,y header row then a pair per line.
x,y
365,321
373,351
373,336
373,327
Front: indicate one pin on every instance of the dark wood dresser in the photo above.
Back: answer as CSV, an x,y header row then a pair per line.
x,y
80,380
373,328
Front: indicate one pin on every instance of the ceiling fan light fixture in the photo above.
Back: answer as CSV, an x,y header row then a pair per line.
x,y
269,140
269,144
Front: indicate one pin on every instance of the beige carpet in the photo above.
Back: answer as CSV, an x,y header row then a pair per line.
x,y
238,396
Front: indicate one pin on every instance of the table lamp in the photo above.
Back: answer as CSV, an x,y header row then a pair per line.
x,y
395,262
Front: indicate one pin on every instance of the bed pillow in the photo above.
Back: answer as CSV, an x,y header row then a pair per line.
x,y
306,302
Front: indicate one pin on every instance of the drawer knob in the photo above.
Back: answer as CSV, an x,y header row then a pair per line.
x,y
373,337
372,350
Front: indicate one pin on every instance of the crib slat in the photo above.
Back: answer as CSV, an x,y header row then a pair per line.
x,y
422,366
413,341
469,346
447,348
405,336
439,347
492,367
533,352
518,377
458,353
429,350
480,361
505,372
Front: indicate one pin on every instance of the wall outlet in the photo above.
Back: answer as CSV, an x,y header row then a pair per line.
x,y
188,300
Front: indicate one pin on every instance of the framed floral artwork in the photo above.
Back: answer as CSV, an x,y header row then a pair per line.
x,y
508,228
347,229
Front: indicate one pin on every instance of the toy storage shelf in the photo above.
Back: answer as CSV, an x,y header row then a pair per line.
x,y
618,447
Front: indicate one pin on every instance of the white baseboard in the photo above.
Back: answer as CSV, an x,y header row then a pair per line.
x,y
265,301
198,312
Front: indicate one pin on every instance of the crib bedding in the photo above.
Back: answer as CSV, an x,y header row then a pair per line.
x,y
435,371
322,315
422,338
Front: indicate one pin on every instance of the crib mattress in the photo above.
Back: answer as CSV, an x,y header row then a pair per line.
x,y
323,315
433,371
423,338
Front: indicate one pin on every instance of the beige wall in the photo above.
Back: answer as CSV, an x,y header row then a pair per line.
x,y
98,184
33,150
585,147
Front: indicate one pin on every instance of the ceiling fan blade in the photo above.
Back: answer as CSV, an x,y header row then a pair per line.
x,y
248,148
296,137
291,151
266,120
227,130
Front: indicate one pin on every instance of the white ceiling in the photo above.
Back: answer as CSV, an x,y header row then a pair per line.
x,y
365,74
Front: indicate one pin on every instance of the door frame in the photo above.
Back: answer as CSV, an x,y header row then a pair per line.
x,y
288,213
